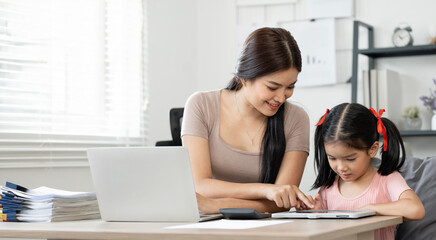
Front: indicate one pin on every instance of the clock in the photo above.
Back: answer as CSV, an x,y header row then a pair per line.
x,y
402,36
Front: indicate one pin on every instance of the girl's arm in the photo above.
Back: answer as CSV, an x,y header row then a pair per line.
x,y
284,193
408,205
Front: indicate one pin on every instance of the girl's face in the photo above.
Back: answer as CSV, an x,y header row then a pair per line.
x,y
266,94
350,164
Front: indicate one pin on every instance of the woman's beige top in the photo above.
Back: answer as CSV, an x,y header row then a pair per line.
x,y
202,118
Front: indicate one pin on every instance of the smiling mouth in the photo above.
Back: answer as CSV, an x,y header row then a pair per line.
x,y
273,106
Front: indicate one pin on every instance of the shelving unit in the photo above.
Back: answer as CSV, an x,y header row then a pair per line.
x,y
418,133
374,53
399,52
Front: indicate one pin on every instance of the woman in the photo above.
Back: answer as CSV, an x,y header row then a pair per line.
x,y
248,146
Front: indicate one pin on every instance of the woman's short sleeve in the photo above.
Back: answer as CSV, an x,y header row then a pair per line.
x,y
296,129
194,117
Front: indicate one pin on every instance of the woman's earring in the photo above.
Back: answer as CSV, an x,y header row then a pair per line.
x,y
243,82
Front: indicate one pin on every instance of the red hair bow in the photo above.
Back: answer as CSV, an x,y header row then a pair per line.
x,y
323,118
380,127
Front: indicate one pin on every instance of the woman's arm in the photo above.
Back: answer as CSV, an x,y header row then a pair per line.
x,y
290,174
228,194
292,168
212,205
408,205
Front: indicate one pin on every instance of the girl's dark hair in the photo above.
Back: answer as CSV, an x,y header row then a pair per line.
x,y
266,51
356,126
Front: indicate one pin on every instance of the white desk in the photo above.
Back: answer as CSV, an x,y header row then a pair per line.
x,y
324,229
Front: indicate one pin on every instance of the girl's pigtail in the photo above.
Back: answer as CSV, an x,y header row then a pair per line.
x,y
318,153
393,158
325,175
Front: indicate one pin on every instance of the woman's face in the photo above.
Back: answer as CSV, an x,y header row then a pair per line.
x,y
266,94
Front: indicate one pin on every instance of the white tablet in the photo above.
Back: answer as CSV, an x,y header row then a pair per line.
x,y
353,214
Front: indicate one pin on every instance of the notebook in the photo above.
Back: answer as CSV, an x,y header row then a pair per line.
x,y
144,184
314,214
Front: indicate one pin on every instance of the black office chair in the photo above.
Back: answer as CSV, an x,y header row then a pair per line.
x,y
176,115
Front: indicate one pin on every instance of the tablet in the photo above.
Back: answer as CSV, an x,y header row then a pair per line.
x,y
315,214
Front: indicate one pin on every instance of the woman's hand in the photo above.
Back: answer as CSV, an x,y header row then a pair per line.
x,y
287,196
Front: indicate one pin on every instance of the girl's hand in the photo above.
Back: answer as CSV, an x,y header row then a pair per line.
x,y
207,205
287,196
368,207
318,202
316,206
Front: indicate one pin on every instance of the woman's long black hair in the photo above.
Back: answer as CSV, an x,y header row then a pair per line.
x,y
356,126
266,51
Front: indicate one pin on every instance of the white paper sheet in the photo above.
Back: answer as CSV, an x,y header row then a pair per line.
x,y
230,224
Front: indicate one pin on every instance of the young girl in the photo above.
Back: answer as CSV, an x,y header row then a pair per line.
x,y
346,139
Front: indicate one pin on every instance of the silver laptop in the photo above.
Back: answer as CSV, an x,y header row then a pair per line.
x,y
353,214
144,184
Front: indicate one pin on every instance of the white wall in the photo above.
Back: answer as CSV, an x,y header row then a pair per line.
x,y
216,43
191,48
172,50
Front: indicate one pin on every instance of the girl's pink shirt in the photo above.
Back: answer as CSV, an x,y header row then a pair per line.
x,y
382,189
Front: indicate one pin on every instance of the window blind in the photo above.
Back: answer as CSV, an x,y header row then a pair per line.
x,y
72,76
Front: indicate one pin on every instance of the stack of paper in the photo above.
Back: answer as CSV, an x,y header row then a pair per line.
x,y
45,204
